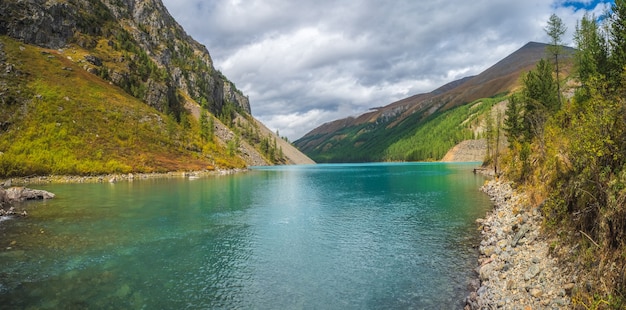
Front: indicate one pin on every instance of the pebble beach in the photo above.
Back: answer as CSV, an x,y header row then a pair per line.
x,y
515,269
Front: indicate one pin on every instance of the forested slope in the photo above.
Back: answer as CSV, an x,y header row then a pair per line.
x,y
569,155
400,131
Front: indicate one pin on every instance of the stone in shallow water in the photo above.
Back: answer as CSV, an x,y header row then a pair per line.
x,y
123,291
23,193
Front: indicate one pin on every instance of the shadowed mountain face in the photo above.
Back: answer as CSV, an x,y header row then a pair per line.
x,y
366,137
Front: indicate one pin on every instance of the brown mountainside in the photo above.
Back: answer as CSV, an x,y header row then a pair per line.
x,y
502,77
499,78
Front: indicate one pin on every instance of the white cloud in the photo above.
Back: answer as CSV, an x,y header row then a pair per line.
x,y
308,62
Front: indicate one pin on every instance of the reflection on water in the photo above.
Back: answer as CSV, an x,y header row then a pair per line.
x,y
322,236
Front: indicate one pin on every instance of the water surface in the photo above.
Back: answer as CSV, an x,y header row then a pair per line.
x,y
358,236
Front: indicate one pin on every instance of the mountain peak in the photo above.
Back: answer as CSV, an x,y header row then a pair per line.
x,y
359,137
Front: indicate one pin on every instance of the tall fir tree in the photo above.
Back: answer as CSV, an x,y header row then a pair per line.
x,y
618,42
540,98
591,54
513,125
206,125
556,29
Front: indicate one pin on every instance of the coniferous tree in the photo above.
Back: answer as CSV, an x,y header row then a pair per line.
x,y
186,127
497,151
591,55
513,122
618,42
556,29
489,135
541,100
211,125
205,127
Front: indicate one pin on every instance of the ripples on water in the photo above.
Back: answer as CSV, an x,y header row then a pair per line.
x,y
374,236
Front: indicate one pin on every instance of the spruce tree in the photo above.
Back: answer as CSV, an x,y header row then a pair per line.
x,y
556,29
205,128
513,120
540,99
591,53
618,42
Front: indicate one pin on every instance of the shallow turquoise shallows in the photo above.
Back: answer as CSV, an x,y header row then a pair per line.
x,y
357,236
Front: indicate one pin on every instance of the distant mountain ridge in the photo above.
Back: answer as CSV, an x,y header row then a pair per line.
x,y
365,137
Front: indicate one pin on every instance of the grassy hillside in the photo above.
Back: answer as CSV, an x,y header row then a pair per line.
x,y
392,132
419,137
58,118
440,132
570,158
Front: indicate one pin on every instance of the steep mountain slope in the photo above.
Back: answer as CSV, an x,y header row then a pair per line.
x,y
368,136
135,44
127,88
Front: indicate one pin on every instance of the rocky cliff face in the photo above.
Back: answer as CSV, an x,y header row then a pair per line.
x,y
139,47
157,59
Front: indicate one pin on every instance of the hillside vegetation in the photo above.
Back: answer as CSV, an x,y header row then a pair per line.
x,y
105,86
60,119
420,137
404,130
570,156
442,131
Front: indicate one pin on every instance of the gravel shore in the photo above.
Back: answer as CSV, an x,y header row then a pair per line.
x,y
111,178
515,269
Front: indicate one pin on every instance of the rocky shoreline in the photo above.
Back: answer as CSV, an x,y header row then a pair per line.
x,y
112,178
515,269
10,194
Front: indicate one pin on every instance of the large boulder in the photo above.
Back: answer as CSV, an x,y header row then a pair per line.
x,y
16,194
4,199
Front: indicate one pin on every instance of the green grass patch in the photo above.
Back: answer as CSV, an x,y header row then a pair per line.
x,y
73,122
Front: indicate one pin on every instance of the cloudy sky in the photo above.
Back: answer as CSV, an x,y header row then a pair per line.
x,y
303,63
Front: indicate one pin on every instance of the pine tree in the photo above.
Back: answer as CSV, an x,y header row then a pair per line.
x,y
496,152
556,29
513,120
489,136
591,54
540,99
618,42
206,130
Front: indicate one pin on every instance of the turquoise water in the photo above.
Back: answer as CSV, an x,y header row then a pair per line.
x,y
358,236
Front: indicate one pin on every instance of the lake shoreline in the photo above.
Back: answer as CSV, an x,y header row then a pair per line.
x,y
270,235
113,178
515,268
8,208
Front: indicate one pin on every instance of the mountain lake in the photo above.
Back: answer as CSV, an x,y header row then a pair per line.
x,y
327,236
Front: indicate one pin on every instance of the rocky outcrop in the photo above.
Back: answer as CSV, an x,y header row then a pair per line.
x,y
188,61
43,23
515,269
467,151
135,25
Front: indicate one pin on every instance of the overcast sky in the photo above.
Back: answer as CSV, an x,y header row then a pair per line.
x,y
303,63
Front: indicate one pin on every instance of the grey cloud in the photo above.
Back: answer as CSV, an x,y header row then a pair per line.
x,y
308,62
